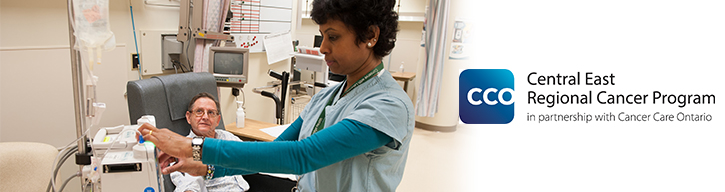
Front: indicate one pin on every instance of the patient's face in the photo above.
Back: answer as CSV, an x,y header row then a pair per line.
x,y
203,125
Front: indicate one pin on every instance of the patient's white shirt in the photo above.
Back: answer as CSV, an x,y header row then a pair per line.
x,y
186,182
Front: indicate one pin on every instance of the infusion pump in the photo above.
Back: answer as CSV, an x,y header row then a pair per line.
x,y
121,163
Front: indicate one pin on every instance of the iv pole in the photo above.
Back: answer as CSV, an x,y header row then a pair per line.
x,y
83,156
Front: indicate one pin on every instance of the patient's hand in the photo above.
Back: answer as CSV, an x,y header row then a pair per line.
x,y
165,160
167,141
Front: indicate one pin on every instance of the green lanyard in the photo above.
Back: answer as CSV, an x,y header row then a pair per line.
x,y
321,120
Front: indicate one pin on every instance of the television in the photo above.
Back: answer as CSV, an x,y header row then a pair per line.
x,y
318,41
229,65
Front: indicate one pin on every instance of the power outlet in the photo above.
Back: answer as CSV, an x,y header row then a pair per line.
x,y
134,61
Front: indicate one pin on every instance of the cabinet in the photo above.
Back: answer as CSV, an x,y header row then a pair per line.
x,y
151,54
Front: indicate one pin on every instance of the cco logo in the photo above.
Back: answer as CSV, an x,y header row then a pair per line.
x,y
486,96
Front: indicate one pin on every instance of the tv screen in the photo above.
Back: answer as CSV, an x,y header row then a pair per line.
x,y
228,63
318,41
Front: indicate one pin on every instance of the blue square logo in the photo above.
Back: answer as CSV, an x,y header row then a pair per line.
x,y
485,96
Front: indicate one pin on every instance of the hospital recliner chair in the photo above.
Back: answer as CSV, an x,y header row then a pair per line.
x,y
26,166
167,99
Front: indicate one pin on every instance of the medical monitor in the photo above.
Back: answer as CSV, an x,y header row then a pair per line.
x,y
229,65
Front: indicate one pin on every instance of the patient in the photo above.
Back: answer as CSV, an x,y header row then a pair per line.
x,y
203,117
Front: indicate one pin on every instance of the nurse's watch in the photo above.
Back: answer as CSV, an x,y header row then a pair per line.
x,y
196,144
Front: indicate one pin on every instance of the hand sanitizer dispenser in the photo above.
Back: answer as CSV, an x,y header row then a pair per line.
x,y
240,114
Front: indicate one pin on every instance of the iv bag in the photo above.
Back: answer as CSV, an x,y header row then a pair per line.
x,y
92,27
93,36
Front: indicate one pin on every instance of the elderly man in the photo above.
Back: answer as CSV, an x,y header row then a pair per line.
x,y
203,116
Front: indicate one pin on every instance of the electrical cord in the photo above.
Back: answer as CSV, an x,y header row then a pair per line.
x,y
176,63
244,98
52,179
68,180
65,157
236,95
188,44
71,148
133,24
181,66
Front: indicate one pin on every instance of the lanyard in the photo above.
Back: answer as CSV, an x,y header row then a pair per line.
x,y
321,120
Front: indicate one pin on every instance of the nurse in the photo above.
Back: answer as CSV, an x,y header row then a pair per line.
x,y
353,136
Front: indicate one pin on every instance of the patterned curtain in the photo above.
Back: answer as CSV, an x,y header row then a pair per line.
x,y
213,20
435,46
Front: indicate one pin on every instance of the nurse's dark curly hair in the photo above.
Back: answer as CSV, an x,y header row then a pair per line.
x,y
358,15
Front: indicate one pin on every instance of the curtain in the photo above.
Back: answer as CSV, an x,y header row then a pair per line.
x,y
435,36
213,20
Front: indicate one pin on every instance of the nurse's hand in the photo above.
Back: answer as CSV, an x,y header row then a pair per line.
x,y
186,165
167,141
